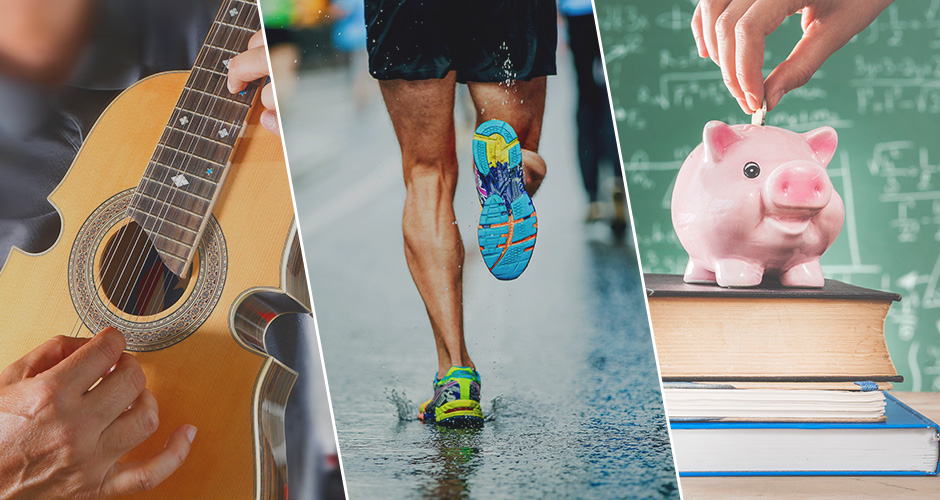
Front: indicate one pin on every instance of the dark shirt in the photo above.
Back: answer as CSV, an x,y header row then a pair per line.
x,y
41,131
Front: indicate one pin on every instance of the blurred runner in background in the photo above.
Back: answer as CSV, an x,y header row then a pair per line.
x,y
596,141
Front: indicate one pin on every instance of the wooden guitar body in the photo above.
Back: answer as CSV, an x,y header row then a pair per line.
x,y
203,356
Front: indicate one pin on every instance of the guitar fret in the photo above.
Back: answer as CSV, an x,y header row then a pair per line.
x,y
224,38
210,160
198,145
155,225
194,204
207,128
195,117
199,168
200,68
229,99
200,136
168,215
160,175
216,83
240,14
173,247
228,37
216,96
168,255
223,23
196,102
221,49
175,203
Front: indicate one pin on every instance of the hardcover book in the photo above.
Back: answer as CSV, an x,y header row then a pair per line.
x,y
770,332
906,443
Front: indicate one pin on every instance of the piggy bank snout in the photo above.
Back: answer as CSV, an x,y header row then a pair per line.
x,y
798,187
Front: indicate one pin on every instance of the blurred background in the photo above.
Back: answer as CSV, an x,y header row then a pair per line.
x,y
881,93
570,386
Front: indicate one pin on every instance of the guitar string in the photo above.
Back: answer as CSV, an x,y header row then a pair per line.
x,y
152,308
154,304
105,268
109,259
188,159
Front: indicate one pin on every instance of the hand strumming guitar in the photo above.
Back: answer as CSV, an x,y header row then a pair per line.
x,y
248,67
62,439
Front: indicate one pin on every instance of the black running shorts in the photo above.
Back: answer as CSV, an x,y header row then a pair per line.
x,y
482,40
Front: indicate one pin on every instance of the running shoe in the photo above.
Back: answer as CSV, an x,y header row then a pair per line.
x,y
456,401
508,224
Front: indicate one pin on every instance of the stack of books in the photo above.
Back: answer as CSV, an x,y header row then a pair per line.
x,y
773,380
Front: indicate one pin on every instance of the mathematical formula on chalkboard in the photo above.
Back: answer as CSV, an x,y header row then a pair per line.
x,y
881,93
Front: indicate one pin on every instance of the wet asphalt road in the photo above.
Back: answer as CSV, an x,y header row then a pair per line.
x,y
569,378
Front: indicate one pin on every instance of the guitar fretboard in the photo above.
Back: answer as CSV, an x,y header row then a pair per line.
x,y
184,177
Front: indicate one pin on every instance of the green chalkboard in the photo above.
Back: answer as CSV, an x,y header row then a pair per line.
x,y
881,93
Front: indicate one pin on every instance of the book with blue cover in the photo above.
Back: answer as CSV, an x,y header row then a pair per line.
x,y
906,443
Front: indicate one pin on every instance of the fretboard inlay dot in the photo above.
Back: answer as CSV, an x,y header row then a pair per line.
x,y
180,180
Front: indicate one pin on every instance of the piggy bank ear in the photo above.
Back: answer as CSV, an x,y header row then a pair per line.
x,y
717,138
823,140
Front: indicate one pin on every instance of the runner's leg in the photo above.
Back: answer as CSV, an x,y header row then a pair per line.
x,y
422,113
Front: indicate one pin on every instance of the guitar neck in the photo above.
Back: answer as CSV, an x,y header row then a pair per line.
x,y
185,175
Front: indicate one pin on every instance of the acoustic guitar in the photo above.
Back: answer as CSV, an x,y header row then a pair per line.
x,y
178,230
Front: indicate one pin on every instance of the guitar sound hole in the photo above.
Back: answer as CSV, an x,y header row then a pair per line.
x,y
133,276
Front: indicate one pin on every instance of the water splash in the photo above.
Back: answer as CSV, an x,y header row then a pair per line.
x,y
404,407
498,406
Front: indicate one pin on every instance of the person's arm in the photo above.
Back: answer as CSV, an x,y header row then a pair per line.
x,y
248,67
59,440
732,32
40,39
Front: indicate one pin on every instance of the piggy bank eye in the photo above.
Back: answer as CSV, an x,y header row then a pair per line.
x,y
751,170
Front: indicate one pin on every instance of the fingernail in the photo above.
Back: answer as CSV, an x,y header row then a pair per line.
x,y
752,101
229,85
191,433
776,99
268,120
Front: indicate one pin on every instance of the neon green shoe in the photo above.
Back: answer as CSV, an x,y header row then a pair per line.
x,y
456,401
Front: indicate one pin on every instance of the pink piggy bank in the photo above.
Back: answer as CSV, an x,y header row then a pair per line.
x,y
752,201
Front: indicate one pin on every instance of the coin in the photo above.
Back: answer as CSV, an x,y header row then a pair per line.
x,y
760,116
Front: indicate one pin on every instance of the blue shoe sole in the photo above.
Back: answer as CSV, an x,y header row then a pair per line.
x,y
508,223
